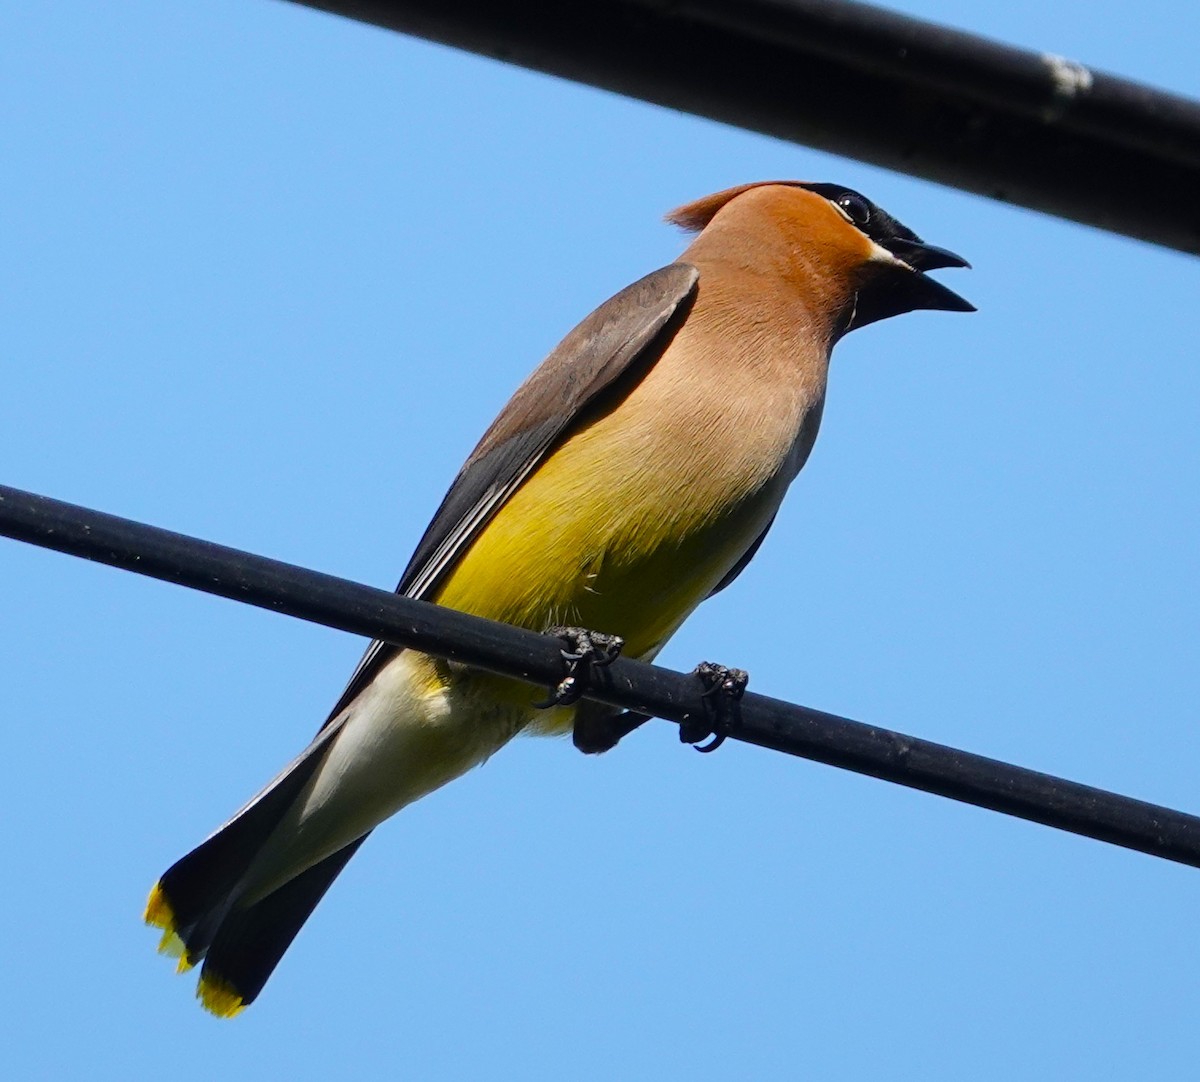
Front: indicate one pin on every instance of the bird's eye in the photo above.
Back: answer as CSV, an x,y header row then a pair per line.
x,y
857,209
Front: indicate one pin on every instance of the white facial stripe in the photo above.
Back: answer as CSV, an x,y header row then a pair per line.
x,y
842,211
879,254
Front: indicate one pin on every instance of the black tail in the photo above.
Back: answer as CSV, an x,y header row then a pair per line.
x,y
196,900
250,941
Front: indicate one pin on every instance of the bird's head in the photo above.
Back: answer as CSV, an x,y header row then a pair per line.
x,y
867,265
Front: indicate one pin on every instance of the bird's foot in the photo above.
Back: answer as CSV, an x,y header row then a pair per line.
x,y
586,651
723,690
599,731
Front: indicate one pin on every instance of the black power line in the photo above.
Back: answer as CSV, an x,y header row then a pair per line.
x,y
769,723
1018,126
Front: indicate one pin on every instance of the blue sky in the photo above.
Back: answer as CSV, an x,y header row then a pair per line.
x,y
267,276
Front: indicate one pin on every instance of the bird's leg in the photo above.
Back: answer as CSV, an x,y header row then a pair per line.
x,y
600,730
586,651
723,690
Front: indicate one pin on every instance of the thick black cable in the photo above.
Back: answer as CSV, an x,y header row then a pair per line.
x,y
1019,126
769,723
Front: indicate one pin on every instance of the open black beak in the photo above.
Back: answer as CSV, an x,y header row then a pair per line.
x,y
916,253
904,287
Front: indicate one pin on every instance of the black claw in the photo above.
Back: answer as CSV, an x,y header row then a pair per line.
x,y
586,652
723,690
717,740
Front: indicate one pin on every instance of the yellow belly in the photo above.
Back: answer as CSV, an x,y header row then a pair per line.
x,y
610,536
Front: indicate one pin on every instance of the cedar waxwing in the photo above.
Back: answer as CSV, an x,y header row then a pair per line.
x,y
632,475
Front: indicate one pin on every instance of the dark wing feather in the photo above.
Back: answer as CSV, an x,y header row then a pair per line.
x,y
617,342
746,557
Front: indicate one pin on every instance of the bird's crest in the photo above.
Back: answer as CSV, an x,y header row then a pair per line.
x,y
695,216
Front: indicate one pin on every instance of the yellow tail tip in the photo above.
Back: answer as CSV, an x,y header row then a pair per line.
x,y
159,914
219,997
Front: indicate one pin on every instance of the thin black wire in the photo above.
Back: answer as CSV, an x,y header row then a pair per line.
x,y
769,723
1018,126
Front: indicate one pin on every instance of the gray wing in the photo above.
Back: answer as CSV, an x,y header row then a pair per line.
x,y
746,557
609,351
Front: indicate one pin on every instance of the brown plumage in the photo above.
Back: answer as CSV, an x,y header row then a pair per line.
x,y
631,476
